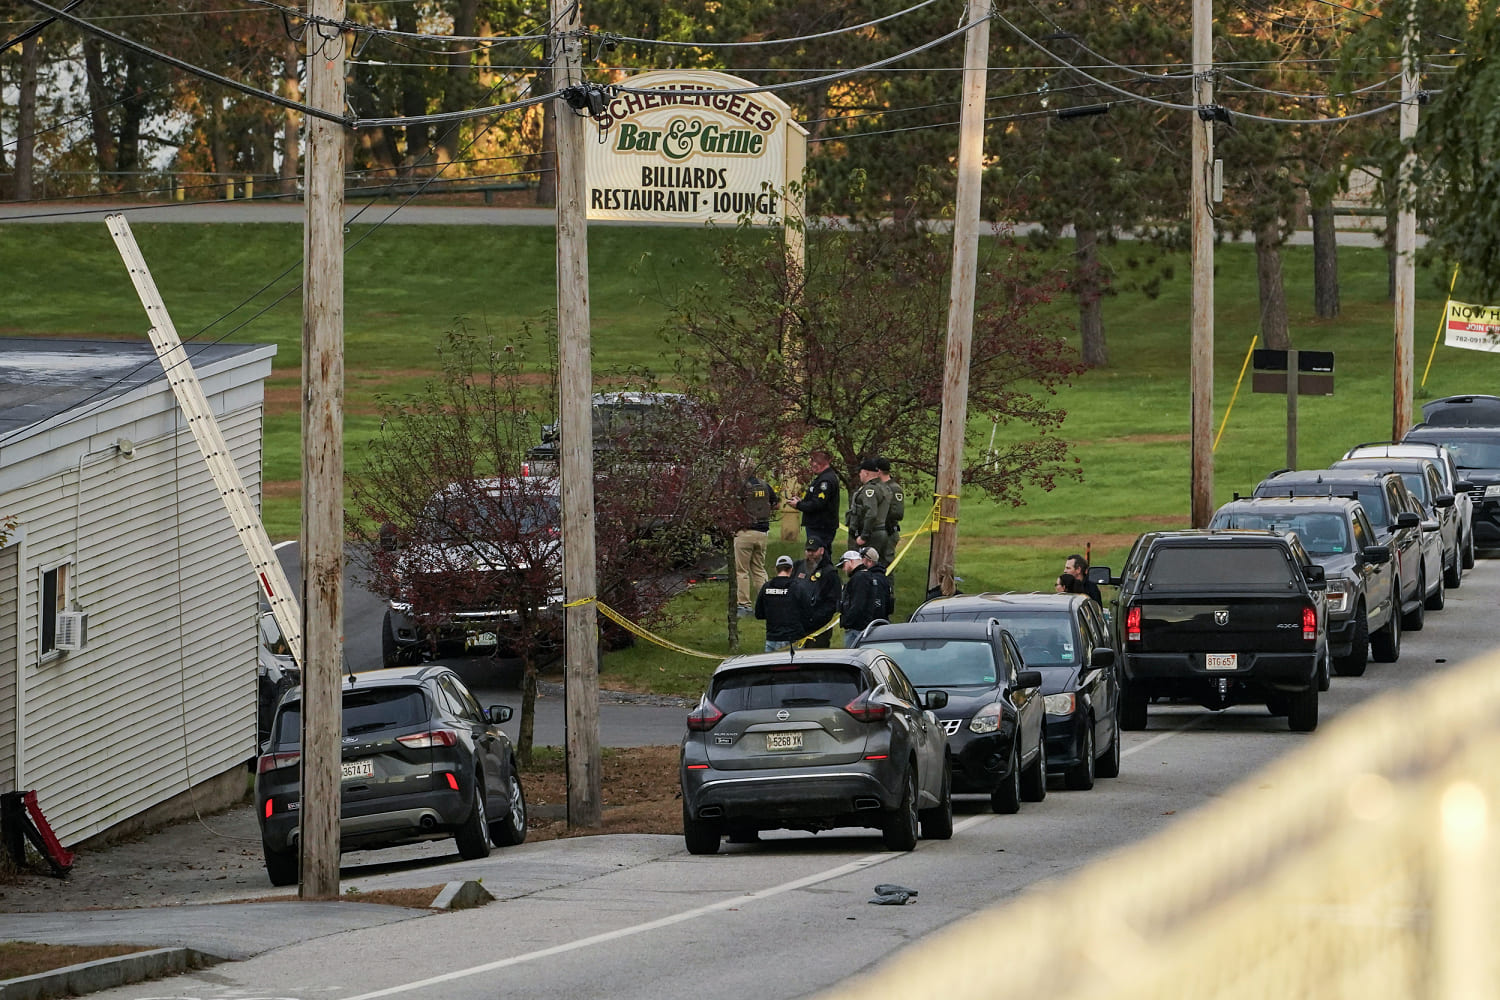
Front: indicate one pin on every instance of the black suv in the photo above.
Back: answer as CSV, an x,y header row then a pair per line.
x,y
421,761
1425,483
994,713
1361,595
1462,411
1395,516
1222,618
1065,637
1476,452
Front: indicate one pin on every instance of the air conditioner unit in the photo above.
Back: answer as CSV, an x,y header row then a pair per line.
x,y
72,630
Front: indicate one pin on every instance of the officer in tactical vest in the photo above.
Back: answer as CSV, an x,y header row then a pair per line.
x,y
894,513
821,592
820,503
871,511
758,500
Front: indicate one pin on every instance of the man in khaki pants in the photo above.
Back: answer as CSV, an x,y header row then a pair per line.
x,y
750,541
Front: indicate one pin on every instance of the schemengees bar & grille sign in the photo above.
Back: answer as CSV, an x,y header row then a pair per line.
x,y
694,156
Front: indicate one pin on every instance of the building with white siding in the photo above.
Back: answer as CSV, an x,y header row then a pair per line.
x,y
117,525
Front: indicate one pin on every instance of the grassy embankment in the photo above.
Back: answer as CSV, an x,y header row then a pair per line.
x,y
406,284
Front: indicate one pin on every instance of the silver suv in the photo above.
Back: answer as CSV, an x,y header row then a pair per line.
x,y
1453,482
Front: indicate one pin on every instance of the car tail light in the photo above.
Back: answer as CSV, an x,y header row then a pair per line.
x,y
273,761
1133,625
268,808
432,738
865,710
452,780
704,717
1309,623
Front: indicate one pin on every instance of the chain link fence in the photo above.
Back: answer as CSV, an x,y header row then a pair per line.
x,y
1359,866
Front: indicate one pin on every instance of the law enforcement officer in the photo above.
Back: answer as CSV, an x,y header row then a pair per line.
x,y
820,503
872,509
821,593
882,583
759,499
896,511
781,606
860,602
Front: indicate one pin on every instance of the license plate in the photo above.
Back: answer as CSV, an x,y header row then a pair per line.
x,y
1221,661
359,768
476,639
783,741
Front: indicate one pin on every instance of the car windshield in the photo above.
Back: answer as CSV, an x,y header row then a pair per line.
x,y
1475,454
786,686
1370,495
1226,567
942,662
1321,534
493,516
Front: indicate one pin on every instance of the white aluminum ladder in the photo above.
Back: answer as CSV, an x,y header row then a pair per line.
x,y
185,384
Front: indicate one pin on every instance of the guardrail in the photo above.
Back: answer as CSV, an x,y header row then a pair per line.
x,y
1361,865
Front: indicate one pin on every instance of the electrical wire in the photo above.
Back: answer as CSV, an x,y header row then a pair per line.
x,y
83,117
608,36
372,30
1078,41
1018,116
945,104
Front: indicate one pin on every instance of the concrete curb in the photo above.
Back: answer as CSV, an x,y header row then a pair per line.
x,y
104,974
459,896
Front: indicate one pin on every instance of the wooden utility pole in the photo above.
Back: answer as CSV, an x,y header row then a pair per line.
x,y
1201,364
322,457
575,397
961,296
26,121
1406,234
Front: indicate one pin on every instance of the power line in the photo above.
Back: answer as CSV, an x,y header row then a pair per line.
x,y
610,37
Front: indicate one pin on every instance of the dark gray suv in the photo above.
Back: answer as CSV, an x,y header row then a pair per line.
x,y
814,740
421,761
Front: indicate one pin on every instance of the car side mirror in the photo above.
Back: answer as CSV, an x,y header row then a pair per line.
x,y
1028,679
1100,576
1443,500
499,713
1376,555
1463,486
935,700
1103,656
1408,519
1315,576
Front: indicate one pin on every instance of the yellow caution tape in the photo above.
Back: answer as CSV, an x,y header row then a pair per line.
x,y
580,602
650,636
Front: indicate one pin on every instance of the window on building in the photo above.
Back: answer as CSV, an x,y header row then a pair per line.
x,y
54,600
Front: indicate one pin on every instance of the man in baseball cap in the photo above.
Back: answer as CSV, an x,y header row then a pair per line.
x,y
885,591
858,606
821,594
781,605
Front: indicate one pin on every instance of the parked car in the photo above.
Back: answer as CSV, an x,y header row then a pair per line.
x,y
1476,452
814,740
1462,411
618,417
1396,520
1362,598
995,712
1425,485
276,673
1453,482
1066,638
421,761
1222,618
478,545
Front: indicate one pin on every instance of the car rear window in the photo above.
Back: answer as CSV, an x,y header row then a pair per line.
x,y
364,711
1321,534
1234,567
939,662
788,687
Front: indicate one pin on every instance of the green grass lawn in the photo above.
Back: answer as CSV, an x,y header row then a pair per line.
x,y
405,285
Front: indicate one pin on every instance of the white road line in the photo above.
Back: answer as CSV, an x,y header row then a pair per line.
x,y
1164,736
281,545
860,864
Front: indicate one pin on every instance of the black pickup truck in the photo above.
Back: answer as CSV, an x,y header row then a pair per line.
x,y
1221,618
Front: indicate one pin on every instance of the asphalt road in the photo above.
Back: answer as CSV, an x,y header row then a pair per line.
x,y
637,917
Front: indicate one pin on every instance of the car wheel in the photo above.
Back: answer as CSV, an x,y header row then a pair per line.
x,y
1325,675
1302,713
281,866
899,827
473,837
1437,598
1353,665
1080,777
1453,575
937,822
1006,799
1107,765
1417,617
1132,709
1468,550
701,836
1385,644
1034,778
510,830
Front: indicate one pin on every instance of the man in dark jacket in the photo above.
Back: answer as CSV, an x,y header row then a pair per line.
x,y
781,605
859,605
820,503
883,585
758,500
821,592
